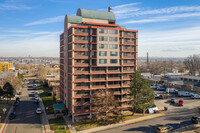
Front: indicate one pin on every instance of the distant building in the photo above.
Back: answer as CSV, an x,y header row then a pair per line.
x,y
5,66
95,53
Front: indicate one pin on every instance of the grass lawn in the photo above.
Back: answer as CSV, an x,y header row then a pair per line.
x,y
58,125
46,98
87,124
4,104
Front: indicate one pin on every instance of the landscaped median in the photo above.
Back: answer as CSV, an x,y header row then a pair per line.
x,y
45,95
89,126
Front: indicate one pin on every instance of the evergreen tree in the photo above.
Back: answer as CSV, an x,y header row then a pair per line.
x,y
140,92
1,92
8,90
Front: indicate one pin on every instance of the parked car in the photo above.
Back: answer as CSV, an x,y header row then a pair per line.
x,y
39,111
153,86
180,102
16,103
12,115
171,90
164,129
184,94
195,119
162,96
195,96
161,88
157,95
37,100
17,99
173,100
36,93
34,86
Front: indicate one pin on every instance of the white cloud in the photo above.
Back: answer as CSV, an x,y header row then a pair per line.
x,y
47,21
130,10
169,43
42,45
14,7
164,18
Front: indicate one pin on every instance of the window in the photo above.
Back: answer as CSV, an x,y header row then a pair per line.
x,y
110,39
125,54
85,38
86,61
131,40
102,61
86,45
78,68
102,53
113,39
103,38
78,61
103,31
78,29
78,52
113,60
113,53
78,45
78,99
113,46
86,53
105,46
85,30
113,31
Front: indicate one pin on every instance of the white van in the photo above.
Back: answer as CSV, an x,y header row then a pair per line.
x,y
184,94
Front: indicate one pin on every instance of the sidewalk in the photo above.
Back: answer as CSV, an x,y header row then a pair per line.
x,y
44,118
93,130
68,122
6,120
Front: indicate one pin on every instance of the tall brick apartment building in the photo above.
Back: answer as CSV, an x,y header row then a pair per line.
x,y
95,53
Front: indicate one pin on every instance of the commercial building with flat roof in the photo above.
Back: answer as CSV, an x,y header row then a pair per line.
x,y
5,66
95,53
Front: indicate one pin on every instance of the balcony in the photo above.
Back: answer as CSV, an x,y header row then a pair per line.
x,y
128,34
113,78
81,79
99,78
82,55
83,39
98,86
114,85
82,95
81,103
80,32
81,71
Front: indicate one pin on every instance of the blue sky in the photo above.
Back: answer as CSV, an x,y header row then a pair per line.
x,y
167,28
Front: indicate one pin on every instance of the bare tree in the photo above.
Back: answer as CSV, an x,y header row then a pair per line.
x,y
104,106
192,63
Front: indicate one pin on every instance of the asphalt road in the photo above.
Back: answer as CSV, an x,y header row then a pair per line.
x,y
176,117
26,121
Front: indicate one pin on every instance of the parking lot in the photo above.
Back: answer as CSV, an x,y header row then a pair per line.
x,y
188,101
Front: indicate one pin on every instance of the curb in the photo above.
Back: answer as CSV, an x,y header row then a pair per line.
x,y
93,130
43,118
6,120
